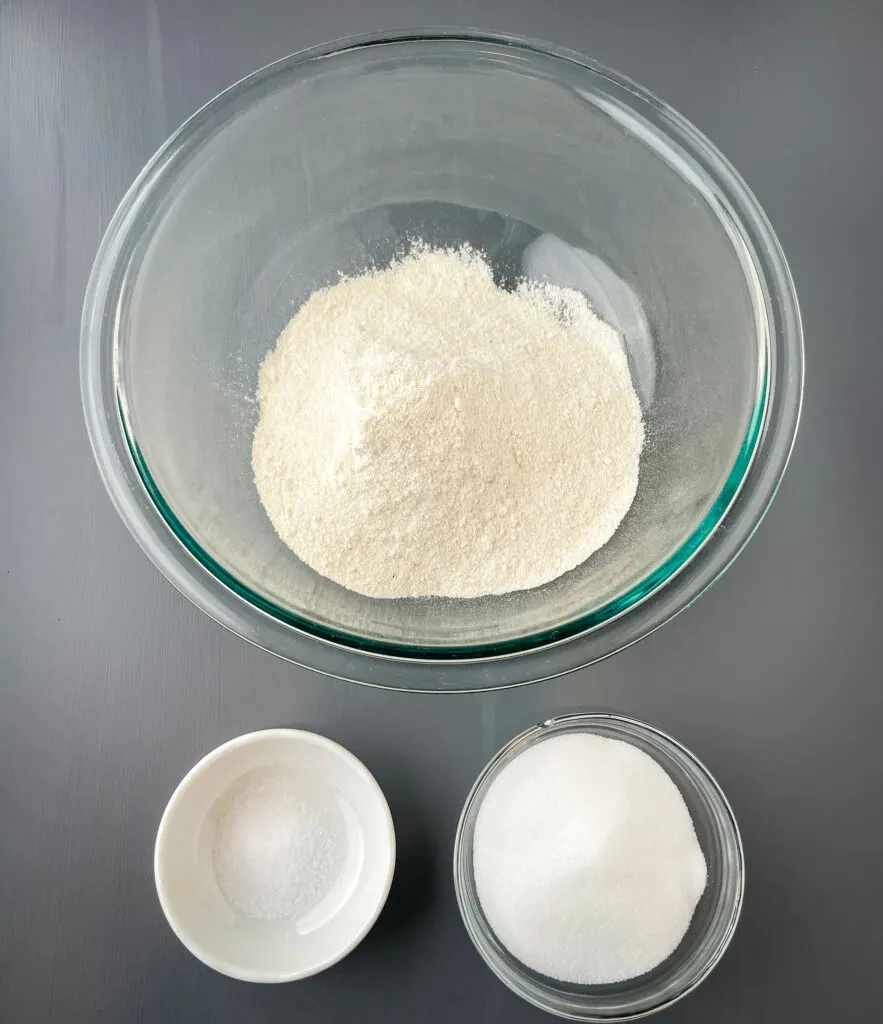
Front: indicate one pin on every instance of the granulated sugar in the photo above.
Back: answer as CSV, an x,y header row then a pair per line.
x,y
587,865
280,844
423,432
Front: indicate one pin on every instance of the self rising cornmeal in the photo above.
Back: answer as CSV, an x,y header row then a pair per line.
x,y
424,432
586,862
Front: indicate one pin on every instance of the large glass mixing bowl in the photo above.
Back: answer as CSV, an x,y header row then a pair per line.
x,y
330,161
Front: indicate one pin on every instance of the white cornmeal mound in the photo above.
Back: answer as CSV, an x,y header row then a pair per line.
x,y
423,432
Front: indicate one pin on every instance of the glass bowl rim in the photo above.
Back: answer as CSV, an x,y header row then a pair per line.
x,y
217,591
581,721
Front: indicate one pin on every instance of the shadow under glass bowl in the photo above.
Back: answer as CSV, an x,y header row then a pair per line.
x,y
714,919
333,160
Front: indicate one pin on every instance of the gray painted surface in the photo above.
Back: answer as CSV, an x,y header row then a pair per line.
x,y
112,685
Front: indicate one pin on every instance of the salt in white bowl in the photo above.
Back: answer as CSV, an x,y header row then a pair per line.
x,y
273,950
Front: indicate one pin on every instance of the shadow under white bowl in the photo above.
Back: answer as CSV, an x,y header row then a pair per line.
x,y
267,950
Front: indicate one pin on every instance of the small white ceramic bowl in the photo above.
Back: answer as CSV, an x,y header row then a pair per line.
x,y
273,951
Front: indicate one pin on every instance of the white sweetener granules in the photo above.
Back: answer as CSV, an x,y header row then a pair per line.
x,y
280,843
423,432
586,862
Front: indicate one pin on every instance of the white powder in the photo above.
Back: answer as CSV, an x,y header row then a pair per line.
x,y
586,862
280,844
424,432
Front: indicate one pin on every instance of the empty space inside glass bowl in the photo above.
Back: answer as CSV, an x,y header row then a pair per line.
x,y
314,178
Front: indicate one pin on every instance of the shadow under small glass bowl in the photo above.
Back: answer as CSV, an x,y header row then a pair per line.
x,y
334,160
716,914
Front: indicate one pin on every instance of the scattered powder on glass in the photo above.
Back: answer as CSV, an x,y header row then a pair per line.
x,y
280,843
586,862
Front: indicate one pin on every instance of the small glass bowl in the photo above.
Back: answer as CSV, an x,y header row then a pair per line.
x,y
714,920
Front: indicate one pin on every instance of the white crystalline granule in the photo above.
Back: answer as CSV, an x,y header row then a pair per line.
x,y
587,865
280,844
423,432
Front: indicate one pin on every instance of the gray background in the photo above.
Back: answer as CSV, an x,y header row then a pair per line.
x,y
112,685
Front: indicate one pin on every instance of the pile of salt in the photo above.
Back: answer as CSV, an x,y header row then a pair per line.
x,y
280,843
